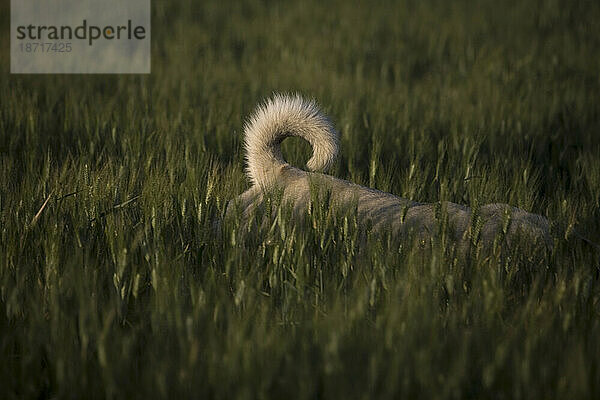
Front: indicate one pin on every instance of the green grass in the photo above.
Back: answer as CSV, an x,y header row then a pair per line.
x,y
120,288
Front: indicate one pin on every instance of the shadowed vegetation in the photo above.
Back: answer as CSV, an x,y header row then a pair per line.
x,y
115,282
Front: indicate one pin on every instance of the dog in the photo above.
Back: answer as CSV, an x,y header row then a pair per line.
x,y
283,116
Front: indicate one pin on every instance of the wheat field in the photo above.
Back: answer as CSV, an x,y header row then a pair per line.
x,y
115,283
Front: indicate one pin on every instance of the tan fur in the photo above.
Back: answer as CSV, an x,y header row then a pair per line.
x,y
285,116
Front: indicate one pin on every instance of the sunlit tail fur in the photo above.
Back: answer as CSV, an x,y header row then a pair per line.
x,y
280,117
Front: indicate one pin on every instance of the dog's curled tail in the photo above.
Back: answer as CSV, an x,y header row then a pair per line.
x,y
280,117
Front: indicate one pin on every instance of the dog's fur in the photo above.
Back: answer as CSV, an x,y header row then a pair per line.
x,y
283,116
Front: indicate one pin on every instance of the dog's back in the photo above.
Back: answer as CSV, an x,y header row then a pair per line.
x,y
285,116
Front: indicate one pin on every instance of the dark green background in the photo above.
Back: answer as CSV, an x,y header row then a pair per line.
x,y
124,290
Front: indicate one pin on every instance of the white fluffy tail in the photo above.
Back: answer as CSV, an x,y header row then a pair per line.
x,y
280,117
